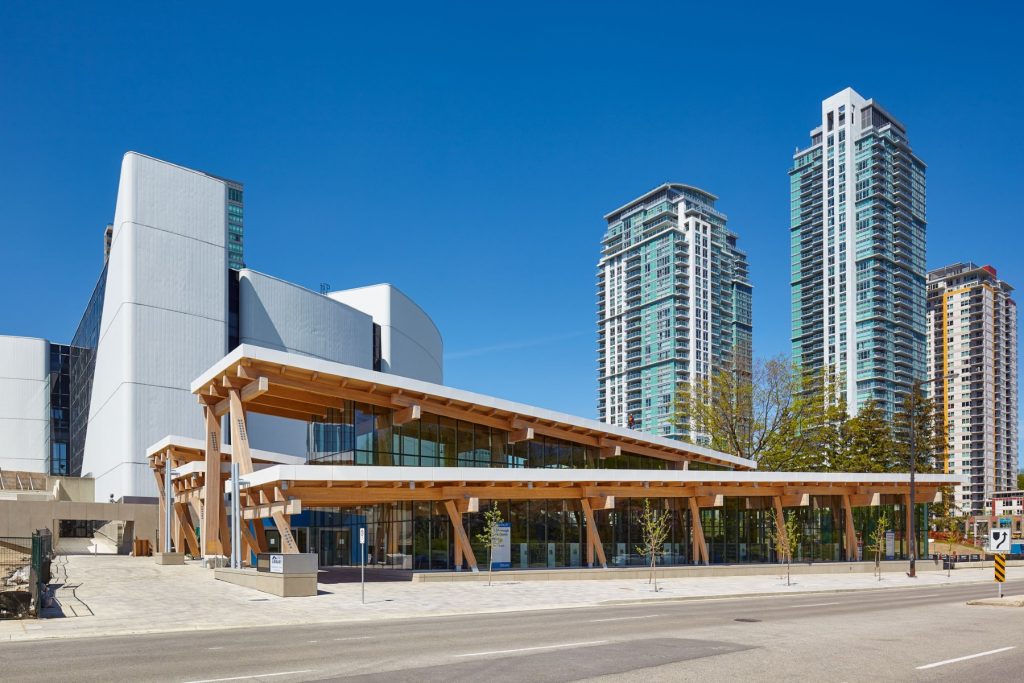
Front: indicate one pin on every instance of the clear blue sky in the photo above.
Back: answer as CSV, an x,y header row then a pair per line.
x,y
466,152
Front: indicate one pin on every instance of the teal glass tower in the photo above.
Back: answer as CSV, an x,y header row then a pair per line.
x,y
673,306
857,238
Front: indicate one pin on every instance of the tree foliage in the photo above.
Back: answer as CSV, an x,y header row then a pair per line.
x,y
784,536
878,541
654,528
789,420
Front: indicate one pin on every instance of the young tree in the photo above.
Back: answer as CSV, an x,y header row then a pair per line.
x,y
953,528
878,541
785,537
490,535
654,527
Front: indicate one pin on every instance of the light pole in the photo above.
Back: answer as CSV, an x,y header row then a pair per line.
x,y
915,389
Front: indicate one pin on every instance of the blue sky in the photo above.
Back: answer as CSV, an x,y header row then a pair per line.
x,y
466,153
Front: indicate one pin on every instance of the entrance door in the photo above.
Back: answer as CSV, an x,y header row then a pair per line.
x,y
335,547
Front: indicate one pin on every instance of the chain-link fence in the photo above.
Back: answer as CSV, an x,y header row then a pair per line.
x,y
24,573
15,576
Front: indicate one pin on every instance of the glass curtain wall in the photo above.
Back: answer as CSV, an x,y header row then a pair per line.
x,y
362,434
552,533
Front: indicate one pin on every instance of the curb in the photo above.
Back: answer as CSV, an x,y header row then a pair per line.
x,y
730,596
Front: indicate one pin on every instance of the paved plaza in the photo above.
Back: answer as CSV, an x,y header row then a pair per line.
x,y
116,595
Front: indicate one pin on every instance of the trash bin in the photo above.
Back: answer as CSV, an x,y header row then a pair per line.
x,y
948,563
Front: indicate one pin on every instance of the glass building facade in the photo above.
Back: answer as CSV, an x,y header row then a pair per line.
x,y
60,409
236,226
857,245
544,533
82,366
674,306
551,533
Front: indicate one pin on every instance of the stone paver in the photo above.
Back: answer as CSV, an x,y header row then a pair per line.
x,y
134,595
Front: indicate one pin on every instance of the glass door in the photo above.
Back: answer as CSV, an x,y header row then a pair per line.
x,y
335,548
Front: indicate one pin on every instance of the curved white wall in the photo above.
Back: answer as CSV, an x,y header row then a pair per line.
x,y
411,344
280,315
163,322
24,402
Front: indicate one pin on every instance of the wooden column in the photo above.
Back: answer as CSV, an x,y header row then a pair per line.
x,y
284,527
594,545
780,523
260,535
240,452
700,545
185,530
851,532
461,539
213,493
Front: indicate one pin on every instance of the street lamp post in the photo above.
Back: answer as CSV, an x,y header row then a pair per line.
x,y
915,389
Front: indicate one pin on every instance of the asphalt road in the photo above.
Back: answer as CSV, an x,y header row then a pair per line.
x,y
890,634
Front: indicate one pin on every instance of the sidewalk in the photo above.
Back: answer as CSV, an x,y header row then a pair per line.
x,y
117,595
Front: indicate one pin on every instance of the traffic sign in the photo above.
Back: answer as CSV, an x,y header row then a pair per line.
x,y
1000,567
999,541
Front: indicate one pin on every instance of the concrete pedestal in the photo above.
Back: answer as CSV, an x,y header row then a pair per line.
x,y
169,558
215,561
281,585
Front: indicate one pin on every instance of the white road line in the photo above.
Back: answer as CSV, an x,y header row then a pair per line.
x,y
338,640
960,659
527,649
816,604
220,647
644,616
243,678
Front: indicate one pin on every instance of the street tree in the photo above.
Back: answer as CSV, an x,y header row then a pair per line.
x,y
784,536
490,536
878,541
654,528
952,526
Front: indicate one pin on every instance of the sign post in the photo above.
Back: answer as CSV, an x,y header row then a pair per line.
x,y
999,543
362,562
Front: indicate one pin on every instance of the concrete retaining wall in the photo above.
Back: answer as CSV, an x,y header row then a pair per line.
x,y
22,517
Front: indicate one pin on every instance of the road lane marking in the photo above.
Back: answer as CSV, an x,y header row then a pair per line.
x,y
813,604
219,647
960,659
644,616
527,649
243,678
339,640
